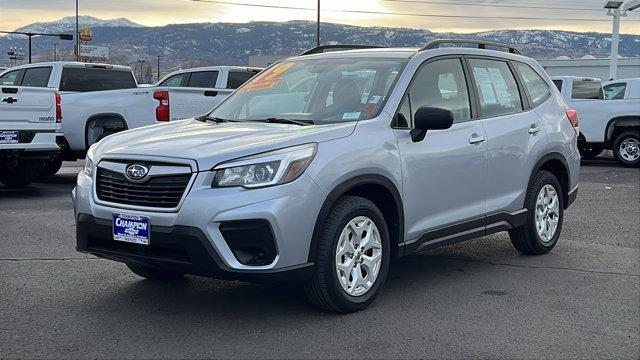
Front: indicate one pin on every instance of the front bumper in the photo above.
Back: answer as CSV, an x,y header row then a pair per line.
x,y
176,248
290,211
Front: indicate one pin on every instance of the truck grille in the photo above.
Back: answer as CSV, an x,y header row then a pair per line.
x,y
158,192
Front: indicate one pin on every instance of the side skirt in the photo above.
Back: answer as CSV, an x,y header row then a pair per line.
x,y
467,230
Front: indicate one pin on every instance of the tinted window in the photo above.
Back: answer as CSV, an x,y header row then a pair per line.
x,y
9,78
238,78
36,77
89,79
173,81
441,84
586,90
497,88
615,91
558,84
203,79
537,88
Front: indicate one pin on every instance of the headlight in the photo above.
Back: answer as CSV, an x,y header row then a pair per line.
x,y
272,168
88,161
88,167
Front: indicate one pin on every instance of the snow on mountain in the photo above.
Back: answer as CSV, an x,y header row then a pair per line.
x,y
231,43
68,24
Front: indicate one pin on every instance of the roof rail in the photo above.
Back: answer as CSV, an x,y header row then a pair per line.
x,y
480,43
322,48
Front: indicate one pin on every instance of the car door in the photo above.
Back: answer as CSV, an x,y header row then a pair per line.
x,y
515,136
444,175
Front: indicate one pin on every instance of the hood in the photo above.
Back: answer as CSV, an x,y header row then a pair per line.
x,y
209,143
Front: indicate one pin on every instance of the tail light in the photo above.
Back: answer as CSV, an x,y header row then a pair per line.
x,y
58,108
573,117
162,111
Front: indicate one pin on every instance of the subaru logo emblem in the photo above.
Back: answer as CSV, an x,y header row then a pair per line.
x,y
136,172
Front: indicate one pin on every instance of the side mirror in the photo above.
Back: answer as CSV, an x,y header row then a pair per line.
x,y
430,118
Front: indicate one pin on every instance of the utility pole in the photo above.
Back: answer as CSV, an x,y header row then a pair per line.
x,y
615,39
77,34
158,68
318,26
55,51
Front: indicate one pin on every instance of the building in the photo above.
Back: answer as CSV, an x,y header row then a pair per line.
x,y
589,66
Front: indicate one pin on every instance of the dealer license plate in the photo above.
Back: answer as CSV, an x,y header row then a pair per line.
x,y
131,228
8,137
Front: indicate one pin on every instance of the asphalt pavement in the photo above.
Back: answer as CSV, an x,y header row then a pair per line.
x,y
479,299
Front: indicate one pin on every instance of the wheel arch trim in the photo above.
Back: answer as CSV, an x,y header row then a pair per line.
x,y
343,188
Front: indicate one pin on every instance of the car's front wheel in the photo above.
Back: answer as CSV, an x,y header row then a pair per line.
x,y
545,205
352,257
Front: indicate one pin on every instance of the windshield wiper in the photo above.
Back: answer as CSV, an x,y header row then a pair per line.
x,y
288,121
217,120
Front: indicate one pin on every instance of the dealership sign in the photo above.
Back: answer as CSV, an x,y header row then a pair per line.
x,y
94,51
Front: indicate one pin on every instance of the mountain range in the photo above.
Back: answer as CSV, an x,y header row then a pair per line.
x,y
199,44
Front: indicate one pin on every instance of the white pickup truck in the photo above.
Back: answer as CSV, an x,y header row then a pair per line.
x,y
30,132
611,122
100,99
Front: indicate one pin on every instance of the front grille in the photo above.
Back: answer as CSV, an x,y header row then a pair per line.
x,y
158,192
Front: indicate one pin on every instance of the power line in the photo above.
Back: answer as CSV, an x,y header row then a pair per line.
x,y
400,13
492,5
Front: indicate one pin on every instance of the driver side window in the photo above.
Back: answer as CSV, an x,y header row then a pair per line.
x,y
437,84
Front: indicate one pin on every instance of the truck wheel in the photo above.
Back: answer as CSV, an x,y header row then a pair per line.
x,y
18,177
154,274
626,148
545,204
51,167
590,151
352,257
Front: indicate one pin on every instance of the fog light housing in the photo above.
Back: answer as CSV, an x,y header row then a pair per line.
x,y
251,241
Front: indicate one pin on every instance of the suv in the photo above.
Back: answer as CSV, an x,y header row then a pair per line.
x,y
326,165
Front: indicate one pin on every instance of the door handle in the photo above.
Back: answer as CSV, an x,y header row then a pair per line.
x,y
210,93
476,139
534,129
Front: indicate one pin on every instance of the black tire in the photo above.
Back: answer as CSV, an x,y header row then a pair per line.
x,y
620,140
154,274
525,238
324,289
18,177
51,167
590,151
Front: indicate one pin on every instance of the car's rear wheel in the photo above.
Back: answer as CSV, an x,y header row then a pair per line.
x,y
17,177
590,151
626,148
352,257
545,211
51,167
153,273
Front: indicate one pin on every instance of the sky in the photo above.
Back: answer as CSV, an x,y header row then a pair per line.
x,y
17,13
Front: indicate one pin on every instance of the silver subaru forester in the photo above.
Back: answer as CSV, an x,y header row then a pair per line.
x,y
328,164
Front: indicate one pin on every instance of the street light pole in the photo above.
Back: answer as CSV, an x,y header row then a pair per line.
x,y
318,26
77,34
55,51
158,67
615,39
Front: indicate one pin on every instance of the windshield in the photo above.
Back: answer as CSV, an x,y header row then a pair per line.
x,y
318,91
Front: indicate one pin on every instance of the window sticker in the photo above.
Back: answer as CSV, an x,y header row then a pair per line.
x,y
375,99
269,78
351,115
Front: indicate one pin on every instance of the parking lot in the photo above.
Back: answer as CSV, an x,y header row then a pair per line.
x,y
475,299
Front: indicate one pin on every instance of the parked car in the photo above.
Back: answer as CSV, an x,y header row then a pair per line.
x,y
101,99
324,183
612,124
30,132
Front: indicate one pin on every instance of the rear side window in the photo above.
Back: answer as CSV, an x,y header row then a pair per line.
x,y
615,91
537,88
90,79
587,90
237,78
9,79
36,77
558,84
497,88
173,81
203,79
